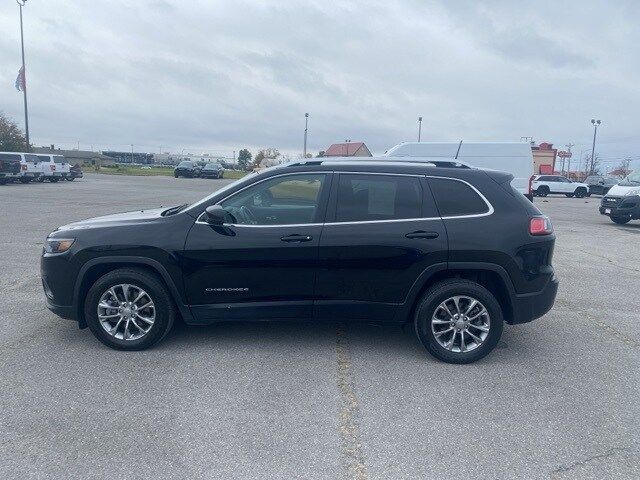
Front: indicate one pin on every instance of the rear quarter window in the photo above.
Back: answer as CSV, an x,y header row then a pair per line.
x,y
455,198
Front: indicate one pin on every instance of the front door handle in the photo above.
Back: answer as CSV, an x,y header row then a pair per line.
x,y
422,234
296,238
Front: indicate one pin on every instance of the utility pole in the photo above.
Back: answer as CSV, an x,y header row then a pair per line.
x,y
306,125
596,124
419,128
132,153
24,78
568,145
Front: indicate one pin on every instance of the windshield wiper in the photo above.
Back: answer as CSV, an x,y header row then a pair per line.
x,y
174,210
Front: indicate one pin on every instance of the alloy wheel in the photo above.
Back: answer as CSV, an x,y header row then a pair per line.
x,y
460,324
126,312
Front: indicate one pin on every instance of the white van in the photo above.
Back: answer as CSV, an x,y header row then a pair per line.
x,y
29,168
515,158
53,167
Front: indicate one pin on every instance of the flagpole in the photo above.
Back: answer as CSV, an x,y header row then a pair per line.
x,y
24,78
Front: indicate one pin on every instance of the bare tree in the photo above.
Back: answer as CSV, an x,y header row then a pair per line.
x,y
623,169
593,165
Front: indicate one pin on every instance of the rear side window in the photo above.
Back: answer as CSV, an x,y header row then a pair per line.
x,y
455,198
9,156
363,198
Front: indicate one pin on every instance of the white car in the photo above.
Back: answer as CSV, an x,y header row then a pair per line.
x,y
543,185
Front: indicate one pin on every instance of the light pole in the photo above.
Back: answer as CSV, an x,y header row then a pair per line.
x,y
24,77
306,125
419,128
596,124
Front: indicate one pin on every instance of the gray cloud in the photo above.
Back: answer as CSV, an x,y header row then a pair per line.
x,y
224,75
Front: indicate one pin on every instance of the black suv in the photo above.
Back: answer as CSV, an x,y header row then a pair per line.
x,y
454,252
212,170
187,169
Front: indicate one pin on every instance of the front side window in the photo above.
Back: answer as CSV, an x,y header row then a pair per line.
x,y
285,200
455,198
365,198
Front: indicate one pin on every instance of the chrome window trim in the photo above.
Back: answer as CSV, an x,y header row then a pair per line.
x,y
490,210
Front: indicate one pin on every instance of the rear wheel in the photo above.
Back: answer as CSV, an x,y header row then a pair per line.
x,y
53,179
25,179
581,192
458,321
3,181
40,179
70,179
542,191
570,195
129,309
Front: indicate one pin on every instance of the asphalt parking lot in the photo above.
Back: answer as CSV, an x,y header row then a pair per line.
x,y
557,399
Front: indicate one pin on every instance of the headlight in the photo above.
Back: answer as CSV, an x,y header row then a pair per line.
x,y
58,245
635,191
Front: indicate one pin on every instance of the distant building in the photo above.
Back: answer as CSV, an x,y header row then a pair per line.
x,y
348,149
80,157
544,158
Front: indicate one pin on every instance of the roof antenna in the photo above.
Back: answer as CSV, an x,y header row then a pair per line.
x,y
459,145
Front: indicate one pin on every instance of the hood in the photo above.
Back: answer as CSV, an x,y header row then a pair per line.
x,y
621,191
128,218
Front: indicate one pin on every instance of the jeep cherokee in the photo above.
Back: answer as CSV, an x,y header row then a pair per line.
x,y
453,251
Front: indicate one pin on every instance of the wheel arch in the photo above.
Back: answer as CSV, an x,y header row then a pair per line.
x,y
491,276
97,267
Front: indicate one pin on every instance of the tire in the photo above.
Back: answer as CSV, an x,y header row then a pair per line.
x,y
620,220
542,191
429,305
40,179
176,175
3,181
54,179
155,291
25,179
580,192
570,195
70,179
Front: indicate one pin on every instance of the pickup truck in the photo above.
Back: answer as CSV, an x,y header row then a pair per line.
x,y
9,166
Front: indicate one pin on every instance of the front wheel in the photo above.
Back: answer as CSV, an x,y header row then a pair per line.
x,y
458,321
621,220
580,192
129,309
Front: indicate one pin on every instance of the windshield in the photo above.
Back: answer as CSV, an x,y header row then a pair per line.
x,y
212,166
185,164
58,159
631,180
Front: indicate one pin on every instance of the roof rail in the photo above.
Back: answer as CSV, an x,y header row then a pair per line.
x,y
431,162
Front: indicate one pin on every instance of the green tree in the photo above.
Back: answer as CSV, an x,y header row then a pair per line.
x,y
244,158
11,137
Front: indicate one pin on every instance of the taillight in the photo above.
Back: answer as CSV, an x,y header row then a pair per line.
x,y
540,226
23,167
53,168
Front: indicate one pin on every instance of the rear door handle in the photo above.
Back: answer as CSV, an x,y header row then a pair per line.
x,y
296,238
422,234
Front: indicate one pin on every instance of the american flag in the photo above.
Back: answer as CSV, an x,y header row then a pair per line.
x,y
20,82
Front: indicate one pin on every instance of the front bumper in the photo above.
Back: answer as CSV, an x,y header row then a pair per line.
x,y
621,207
530,306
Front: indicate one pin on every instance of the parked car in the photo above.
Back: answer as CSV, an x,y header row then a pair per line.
x,y
600,184
454,252
515,158
622,201
75,171
54,167
188,169
212,170
9,166
543,185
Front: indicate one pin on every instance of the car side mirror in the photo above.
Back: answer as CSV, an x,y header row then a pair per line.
x,y
215,215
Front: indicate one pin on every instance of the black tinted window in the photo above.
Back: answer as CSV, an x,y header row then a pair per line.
x,y
9,156
456,198
378,197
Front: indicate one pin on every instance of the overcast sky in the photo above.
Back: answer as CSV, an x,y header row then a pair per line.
x,y
207,75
